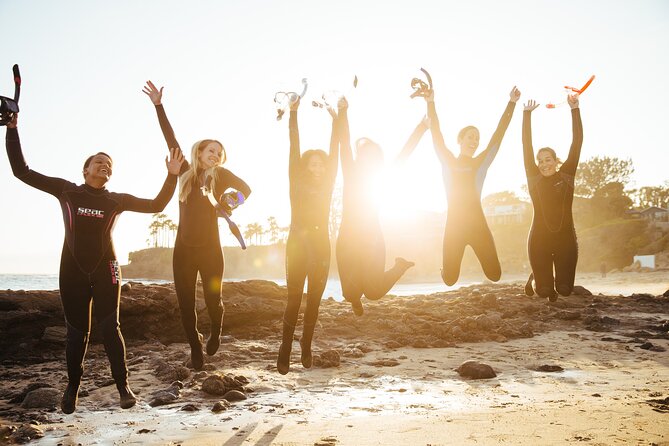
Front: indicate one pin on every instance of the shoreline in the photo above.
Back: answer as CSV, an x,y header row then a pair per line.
x,y
394,381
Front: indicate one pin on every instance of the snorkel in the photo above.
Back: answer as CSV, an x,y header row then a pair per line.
x,y
421,89
283,99
228,202
10,107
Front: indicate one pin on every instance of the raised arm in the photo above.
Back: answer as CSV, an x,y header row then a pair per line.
x,y
488,155
294,135
134,204
445,155
346,153
333,156
156,96
20,169
413,140
571,164
531,168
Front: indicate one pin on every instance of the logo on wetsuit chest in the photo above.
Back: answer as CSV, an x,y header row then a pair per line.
x,y
86,212
115,272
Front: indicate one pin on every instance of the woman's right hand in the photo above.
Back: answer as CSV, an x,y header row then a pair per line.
x,y
342,103
175,161
14,122
530,105
294,103
153,93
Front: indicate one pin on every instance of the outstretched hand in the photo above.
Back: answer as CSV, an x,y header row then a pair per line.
x,y
294,102
342,103
572,100
429,96
175,161
531,105
514,95
153,93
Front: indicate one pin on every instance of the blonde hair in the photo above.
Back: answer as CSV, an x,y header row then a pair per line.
x,y
188,180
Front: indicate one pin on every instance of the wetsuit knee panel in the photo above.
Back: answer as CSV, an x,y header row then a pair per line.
x,y
74,335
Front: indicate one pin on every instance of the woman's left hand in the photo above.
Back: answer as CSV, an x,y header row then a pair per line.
x,y
175,161
572,100
514,95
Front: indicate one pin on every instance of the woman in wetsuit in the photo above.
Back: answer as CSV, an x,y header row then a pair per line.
x,y
311,177
198,246
88,266
361,249
552,240
463,180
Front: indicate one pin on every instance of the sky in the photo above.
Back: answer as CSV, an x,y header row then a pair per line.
x,y
84,64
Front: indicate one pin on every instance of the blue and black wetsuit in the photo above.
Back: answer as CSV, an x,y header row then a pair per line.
x,y
463,180
308,246
552,239
88,266
198,246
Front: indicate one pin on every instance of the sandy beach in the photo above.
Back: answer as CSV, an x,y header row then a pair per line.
x,y
587,369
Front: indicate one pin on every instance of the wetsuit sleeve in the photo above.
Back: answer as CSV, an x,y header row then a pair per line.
x,y
134,204
345,143
227,180
412,142
294,154
571,164
531,169
168,134
20,169
333,157
445,155
488,155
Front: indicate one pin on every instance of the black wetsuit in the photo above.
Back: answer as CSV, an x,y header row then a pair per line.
x,y
198,246
308,246
361,248
465,222
88,265
552,238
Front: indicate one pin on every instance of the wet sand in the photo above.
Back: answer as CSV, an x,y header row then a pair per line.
x,y
395,382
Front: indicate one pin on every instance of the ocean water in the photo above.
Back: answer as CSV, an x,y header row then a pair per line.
x,y
332,289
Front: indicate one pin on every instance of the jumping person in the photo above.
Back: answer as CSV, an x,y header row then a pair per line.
x,y
361,249
198,247
311,176
552,240
463,180
88,266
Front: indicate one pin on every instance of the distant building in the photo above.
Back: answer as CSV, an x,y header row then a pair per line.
x,y
655,214
507,214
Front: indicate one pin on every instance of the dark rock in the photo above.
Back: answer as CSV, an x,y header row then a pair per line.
x,y
42,398
126,287
26,433
234,395
385,362
54,335
652,347
221,385
567,315
190,408
549,368
665,294
475,370
327,359
220,406
18,398
163,397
